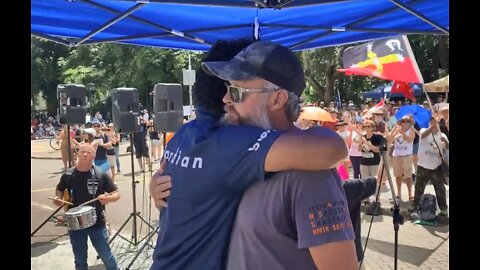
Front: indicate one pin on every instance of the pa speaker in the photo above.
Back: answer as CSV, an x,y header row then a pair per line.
x,y
125,108
168,107
72,100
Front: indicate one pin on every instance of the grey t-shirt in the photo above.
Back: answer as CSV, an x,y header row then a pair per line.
x,y
279,219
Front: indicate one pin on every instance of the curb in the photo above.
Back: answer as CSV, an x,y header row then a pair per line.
x,y
60,158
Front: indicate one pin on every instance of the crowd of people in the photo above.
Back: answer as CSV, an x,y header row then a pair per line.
x,y
410,150
247,186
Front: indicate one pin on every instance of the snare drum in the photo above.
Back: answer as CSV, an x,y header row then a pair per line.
x,y
80,217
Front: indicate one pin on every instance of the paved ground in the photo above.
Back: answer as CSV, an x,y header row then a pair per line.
x,y
420,247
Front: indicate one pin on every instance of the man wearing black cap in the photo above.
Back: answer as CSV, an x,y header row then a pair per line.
x,y
296,218
212,163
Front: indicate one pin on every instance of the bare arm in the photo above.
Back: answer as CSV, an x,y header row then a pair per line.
x,y
317,148
58,195
108,198
375,149
327,257
391,135
107,145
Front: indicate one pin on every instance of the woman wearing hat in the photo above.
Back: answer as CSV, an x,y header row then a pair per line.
x,y
104,143
402,136
111,153
345,134
369,146
115,137
355,137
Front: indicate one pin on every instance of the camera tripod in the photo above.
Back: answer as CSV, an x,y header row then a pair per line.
x,y
397,218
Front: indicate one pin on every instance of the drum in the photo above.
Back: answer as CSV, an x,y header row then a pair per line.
x,y
80,217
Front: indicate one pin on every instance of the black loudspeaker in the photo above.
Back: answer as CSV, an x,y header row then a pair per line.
x,y
72,101
125,109
168,107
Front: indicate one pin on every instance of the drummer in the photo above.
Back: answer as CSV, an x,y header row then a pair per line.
x,y
86,182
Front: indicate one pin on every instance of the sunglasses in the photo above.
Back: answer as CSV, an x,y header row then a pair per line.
x,y
96,126
238,93
368,126
405,121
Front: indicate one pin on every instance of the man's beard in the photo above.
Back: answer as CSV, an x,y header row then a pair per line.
x,y
258,118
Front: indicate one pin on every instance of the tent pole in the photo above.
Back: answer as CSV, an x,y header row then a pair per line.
x,y
420,16
111,22
52,38
138,19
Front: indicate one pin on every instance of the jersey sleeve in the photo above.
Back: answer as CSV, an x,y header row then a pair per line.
x,y
320,209
243,151
108,184
62,184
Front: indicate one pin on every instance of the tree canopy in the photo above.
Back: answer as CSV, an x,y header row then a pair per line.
x,y
110,66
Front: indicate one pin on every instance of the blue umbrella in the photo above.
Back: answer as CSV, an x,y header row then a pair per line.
x,y
420,115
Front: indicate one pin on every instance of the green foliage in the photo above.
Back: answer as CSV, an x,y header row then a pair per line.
x,y
45,71
110,66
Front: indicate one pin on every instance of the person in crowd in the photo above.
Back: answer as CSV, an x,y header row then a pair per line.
x,y
84,182
355,153
432,145
402,136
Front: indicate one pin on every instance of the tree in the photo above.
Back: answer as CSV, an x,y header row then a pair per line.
x,y
45,72
110,66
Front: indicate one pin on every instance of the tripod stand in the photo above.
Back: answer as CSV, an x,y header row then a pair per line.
x,y
153,232
67,132
397,218
134,239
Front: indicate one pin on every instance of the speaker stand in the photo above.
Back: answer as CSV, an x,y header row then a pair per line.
x,y
155,231
134,239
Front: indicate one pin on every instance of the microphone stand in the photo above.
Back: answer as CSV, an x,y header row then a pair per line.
x,y
397,217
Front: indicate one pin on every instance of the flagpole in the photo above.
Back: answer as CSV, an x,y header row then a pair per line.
x,y
339,100
431,107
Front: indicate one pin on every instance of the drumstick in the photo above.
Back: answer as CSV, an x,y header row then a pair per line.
x,y
96,199
53,199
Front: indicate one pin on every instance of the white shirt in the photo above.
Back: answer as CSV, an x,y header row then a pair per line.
x,y
354,152
344,135
428,154
401,147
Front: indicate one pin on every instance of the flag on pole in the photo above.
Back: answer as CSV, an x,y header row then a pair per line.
x,y
379,107
403,88
389,59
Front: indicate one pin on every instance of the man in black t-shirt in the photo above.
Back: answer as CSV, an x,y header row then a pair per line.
x,y
141,148
84,183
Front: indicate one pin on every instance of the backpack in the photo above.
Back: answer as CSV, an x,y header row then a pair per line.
x,y
428,207
373,209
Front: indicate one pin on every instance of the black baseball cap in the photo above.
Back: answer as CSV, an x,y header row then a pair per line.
x,y
265,59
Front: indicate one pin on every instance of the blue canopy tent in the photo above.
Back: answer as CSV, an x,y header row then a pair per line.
x,y
197,24
380,91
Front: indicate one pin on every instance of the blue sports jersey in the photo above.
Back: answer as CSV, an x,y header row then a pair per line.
x,y
211,165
